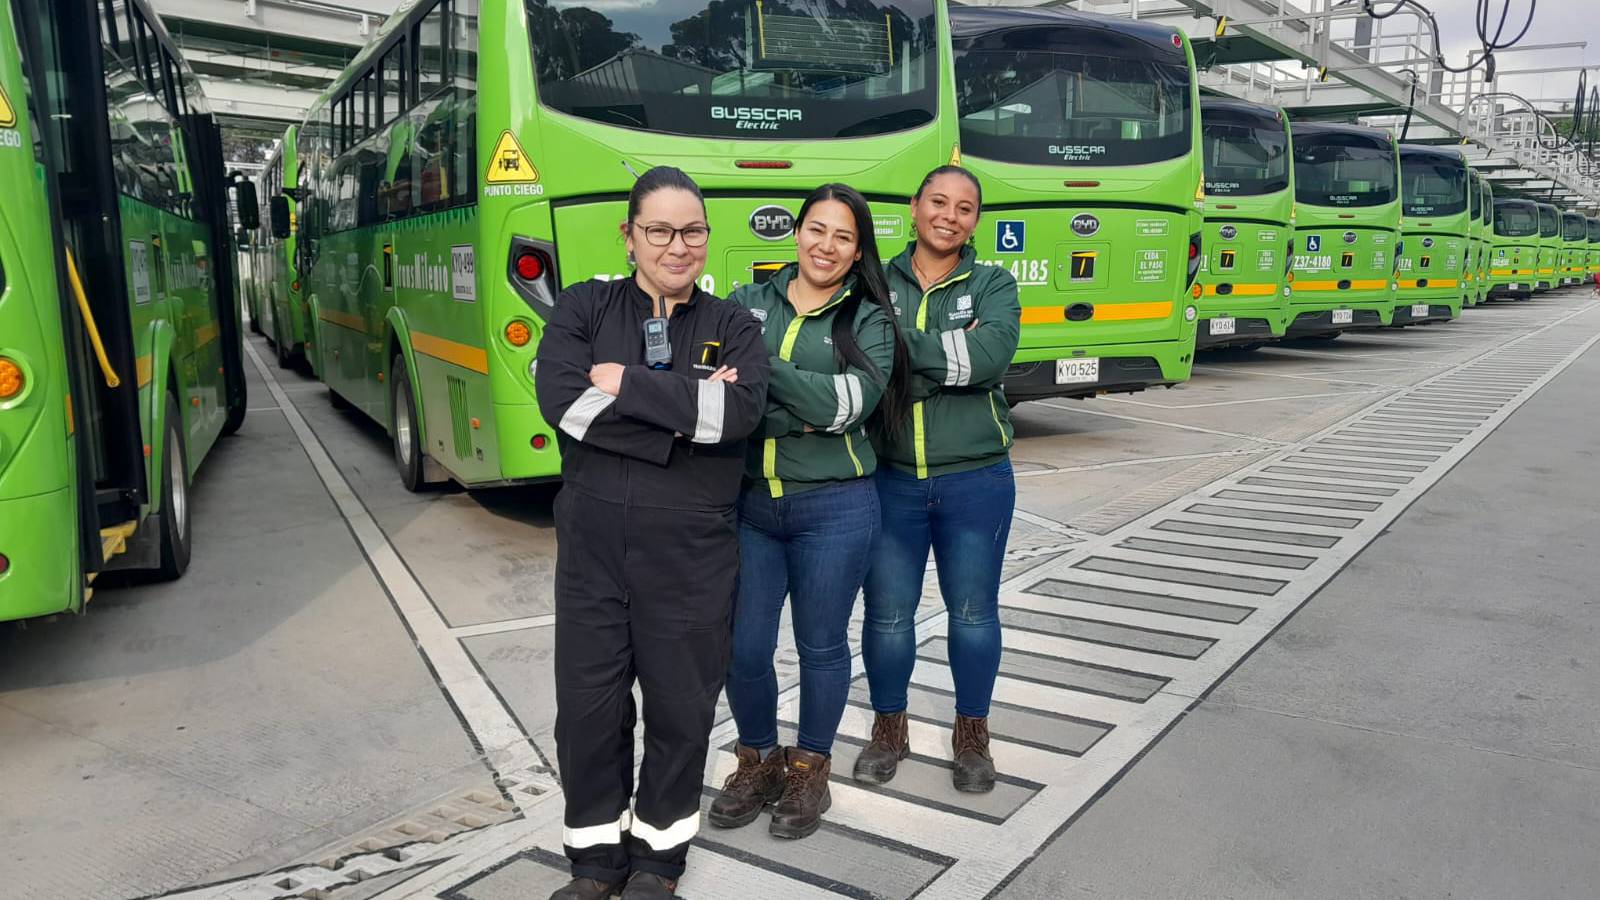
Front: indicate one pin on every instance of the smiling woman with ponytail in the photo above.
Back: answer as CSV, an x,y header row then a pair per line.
x,y
808,514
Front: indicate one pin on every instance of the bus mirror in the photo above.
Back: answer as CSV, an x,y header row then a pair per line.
x,y
244,197
280,217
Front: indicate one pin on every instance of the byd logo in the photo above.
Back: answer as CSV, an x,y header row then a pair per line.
x,y
772,223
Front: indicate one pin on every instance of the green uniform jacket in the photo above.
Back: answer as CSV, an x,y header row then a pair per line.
x,y
960,419
807,387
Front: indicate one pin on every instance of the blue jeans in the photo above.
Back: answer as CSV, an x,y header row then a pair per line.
x,y
965,517
813,547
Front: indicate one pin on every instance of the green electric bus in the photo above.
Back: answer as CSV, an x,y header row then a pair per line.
x,y
1515,251
281,301
1085,131
1574,247
1549,247
1436,208
1347,229
1594,249
1482,238
1249,235
451,186
119,330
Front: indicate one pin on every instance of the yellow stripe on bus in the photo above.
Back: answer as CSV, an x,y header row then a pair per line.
x,y
1367,285
1244,290
467,357
1408,283
144,368
352,322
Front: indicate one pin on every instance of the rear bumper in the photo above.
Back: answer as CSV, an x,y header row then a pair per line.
x,y
1124,368
1321,322
1245,331
37,538
1437,312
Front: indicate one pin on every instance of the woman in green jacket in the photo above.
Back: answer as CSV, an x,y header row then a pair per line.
x,y
945,483
809,511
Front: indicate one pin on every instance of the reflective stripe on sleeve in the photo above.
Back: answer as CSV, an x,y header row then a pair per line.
x,y
847,390
583,411
711,404
957,362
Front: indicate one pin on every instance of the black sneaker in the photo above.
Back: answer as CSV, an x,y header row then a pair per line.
x,y
649,886
587,889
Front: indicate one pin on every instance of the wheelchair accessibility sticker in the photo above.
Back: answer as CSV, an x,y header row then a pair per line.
x,y
1010,236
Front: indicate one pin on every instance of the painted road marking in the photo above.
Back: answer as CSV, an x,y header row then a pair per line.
x,y
1109,646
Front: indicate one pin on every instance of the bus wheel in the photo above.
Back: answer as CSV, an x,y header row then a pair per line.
x,y
255,318
403,426
285,355
339,402
175,536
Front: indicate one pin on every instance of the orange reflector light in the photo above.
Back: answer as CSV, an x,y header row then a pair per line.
x,y
294,285
10,379
1196,292
763,163
539,442
529,267
518,334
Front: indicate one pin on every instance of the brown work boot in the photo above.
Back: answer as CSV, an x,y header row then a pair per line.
x,y
586,889
805,795
974,767
756,783
889,745
649,886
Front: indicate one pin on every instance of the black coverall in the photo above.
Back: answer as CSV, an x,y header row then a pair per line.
x,y
646,561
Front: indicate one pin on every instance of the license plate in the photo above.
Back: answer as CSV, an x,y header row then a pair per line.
x,y
1077,371
1222,326
1344,316
1419,310
1514,287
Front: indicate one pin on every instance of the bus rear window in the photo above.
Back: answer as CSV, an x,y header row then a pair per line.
x,y
1512,219
1343,170
1051,96
773,69
1594,231
1549,221
1573,227
1431,186
1244,155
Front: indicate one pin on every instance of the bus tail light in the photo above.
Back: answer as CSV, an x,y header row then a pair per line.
x,y
518,333
5,564
11,380
531,269
1194,257
763,163
539,442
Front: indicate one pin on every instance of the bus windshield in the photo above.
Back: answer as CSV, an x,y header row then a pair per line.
x,y
1245,155
1053,95
1549,221
1594,231
778,69
1343,170
1432,186
1514,219
1573,227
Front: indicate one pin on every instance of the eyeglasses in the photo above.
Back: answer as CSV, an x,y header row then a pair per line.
x,y
662,235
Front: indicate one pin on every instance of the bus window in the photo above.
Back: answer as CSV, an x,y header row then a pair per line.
x,y
1343,170
1432,186
1072,95
1573,227
443,141
1549,221
740,68
392,84
1513,219
1244,157
430,53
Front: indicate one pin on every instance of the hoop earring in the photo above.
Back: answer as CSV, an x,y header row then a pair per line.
x,y
631,261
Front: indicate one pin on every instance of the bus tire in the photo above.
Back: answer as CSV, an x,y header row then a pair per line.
x,y
176,535
285,356
403,426
255,318
338,401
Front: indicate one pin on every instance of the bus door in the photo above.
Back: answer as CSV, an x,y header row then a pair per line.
x,y
68,99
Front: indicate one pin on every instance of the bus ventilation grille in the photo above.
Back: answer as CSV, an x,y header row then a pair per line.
x,y
460,430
